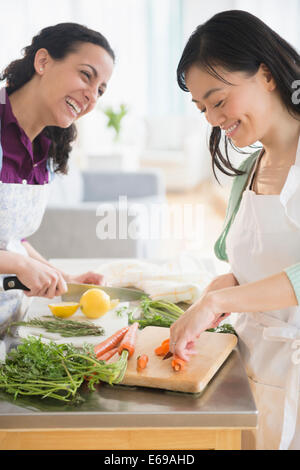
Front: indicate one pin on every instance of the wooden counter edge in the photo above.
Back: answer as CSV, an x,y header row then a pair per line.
x,y
122,439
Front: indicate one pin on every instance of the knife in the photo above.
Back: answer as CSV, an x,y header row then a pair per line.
x,y
75,290
12,282
169,354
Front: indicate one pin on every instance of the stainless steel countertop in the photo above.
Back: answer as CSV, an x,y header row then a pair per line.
x,y
227,401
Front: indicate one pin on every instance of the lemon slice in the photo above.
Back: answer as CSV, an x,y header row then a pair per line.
x,y
64,309
95,303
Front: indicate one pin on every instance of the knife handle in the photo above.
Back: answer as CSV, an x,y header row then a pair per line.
x,y
12,282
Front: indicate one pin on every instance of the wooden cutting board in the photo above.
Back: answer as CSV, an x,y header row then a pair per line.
x,y
213,349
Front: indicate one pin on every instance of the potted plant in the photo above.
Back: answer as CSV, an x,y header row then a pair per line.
x,y
115,119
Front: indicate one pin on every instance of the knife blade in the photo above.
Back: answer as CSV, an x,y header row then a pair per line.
x,y
124,294
75,290
169,354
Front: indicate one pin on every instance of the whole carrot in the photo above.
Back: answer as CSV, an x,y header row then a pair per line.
x,y
111,342
142,362
108,354
128,342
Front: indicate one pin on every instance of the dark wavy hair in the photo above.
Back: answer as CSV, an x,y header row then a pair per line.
x,y
59,40
239,42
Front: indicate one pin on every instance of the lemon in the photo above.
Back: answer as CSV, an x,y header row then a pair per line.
x,y
95,302
64,309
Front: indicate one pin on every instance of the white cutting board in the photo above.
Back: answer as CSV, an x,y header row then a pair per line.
x,y
110,322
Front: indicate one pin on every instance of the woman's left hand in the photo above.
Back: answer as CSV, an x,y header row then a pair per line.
x,y
198,318
86,278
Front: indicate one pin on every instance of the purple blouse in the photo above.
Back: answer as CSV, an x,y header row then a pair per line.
x,y
18,163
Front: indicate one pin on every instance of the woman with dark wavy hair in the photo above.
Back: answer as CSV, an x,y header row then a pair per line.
x,y
244,78
60,77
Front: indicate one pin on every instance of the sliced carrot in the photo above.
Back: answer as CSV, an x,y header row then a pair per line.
x,y
163,349
178,364
142,362
128,342
111,342
108,354
160,351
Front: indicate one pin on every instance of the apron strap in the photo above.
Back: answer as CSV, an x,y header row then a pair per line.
x,y
237,189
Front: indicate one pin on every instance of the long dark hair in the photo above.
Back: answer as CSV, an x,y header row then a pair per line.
x,y
59,40
239,42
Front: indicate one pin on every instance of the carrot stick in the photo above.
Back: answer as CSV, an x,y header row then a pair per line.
x,y
111,342
142,362
128,342
178,364
108,354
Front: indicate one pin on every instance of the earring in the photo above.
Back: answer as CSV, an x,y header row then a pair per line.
x,y
41,69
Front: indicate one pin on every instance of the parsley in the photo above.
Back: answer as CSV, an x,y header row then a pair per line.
x,y
56,370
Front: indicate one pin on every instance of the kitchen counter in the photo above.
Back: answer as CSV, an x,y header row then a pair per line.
x,y
113,417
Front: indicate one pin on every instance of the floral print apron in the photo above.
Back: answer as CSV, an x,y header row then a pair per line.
x,y
22,208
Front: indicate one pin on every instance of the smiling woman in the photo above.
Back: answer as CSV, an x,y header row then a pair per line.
x,y
232,53
61,60
241,75
63,72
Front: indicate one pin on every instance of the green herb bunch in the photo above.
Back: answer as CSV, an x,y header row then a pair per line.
x,y
66,328
156,313
56,370
163,313
225,328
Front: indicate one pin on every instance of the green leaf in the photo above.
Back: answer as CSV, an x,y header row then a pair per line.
x,y
115,117
55,370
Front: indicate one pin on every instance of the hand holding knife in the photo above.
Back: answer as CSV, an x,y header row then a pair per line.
x,y
75,290
12,282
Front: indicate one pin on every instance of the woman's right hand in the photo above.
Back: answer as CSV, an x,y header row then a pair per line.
x,y
197,318
41,279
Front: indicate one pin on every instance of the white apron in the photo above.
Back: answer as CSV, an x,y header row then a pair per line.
x,y
263,240
22,208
